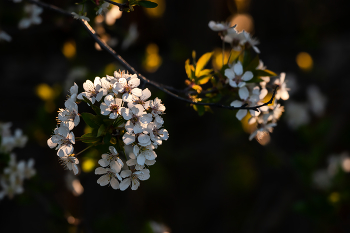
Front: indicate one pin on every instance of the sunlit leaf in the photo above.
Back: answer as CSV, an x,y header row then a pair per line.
x,y
197,88
202,62
262,73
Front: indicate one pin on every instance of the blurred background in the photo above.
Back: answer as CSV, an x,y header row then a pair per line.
x,y
208,176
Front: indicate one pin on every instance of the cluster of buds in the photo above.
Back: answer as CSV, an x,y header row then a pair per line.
x,y
124,117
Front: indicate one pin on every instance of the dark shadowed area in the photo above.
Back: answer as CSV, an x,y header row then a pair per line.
x,y
208,176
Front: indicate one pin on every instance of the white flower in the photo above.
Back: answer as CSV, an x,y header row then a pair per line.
x,y
129,88
156,106
146,93
157,135
133,162
144,153
234,38
110,177
92,90
111,160
4,36
223,26
70,162
282,91
251,41
62,140
82,17
102,8
236,76
69,116
251,99
33,11
111,107
128,138
133,178
316,100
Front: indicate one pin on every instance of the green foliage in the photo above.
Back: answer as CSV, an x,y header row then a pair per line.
x,y
91,120
147,4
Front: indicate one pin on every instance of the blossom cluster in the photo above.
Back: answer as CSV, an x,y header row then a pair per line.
x,y
13,173
125,117
250,82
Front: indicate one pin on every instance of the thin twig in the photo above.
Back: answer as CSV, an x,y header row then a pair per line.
x,y
121,5
132,70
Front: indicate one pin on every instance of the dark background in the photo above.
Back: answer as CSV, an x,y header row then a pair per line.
x,y
208,177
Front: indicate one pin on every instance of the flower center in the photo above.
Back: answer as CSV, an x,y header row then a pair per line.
x,y
114,108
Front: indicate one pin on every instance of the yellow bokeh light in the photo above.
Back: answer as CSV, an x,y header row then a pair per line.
x,y
158,11
304,61
45,92
334,197
243,22
153,59
69,49
242,5
99,19
88,165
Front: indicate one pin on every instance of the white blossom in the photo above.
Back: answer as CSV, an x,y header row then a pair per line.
x,y
133,178
70,162
236,76
144,153
62,140
110,176
282,91
128,88
102,8
223,26
93,91
297,114
111,107
111,160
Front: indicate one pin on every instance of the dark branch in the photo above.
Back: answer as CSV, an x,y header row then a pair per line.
x,y
132,70
122,6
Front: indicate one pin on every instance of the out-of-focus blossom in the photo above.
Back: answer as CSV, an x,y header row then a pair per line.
x,y
82,17
316,100
297,114
33,12
4,36
133,34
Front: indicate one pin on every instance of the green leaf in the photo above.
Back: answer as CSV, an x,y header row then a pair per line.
x,y
200,109
91,120
262,73
89,138
202,62
101,130
107,138
253,64
86,100
147,4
